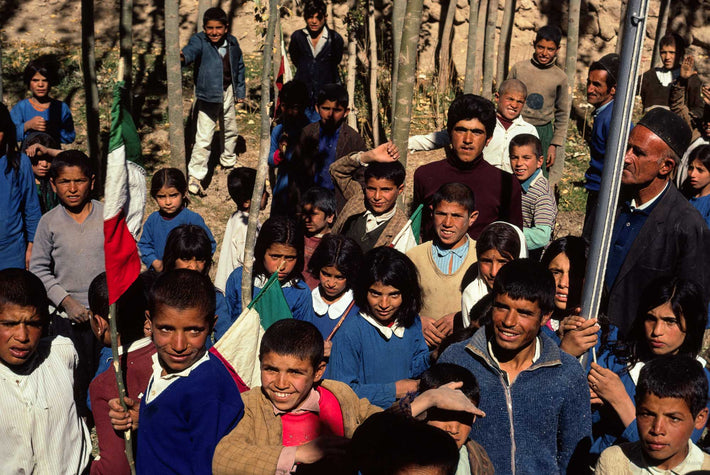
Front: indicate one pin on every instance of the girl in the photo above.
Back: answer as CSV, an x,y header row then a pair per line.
x,y
498,244
40,112
334,263
379,352
169,189
279,247
42,148
670,321
698,182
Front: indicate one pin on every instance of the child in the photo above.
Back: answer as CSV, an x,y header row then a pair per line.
x,y
169,190
699,180
41,430
548,100
380,352
372,217
317,213
334,266
240,184
40,112
192,400
538,202
219,79
42,148
279,247
671,401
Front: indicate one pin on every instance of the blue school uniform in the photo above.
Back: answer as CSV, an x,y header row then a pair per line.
x,y
157,228
599,348
60,124
371,359
325,317
702,204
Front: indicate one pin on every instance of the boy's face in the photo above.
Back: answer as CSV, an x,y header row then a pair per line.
x,y
39,85
287,379
668,55
516,322
72,187
41,169
524,161
545,51
215,30
291,112
315,220
20,331
598,93
664,426
468,138
665,332
384,302
331,115
381,194
179,336
315,22
451,221
510,104
456,423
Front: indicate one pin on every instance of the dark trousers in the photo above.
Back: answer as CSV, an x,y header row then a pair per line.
x,y
590,215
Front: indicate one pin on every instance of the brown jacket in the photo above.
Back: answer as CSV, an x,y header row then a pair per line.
x,y
254,446
478,459
685,101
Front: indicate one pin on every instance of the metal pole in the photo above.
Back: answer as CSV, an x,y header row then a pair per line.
x,y
635,26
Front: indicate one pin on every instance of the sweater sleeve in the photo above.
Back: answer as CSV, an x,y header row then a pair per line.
x,y
241,91
111,446
17,116
575,423
515,209
420,358
342,171
67,134
299,300
31,212
41,263
200,221
562,110
146,244
192,51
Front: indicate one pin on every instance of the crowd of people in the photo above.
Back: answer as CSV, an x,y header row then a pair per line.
x,y
453,350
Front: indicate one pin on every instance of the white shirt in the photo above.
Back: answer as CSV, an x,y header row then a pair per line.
x,y
231,254
335,310
386,331
159,382
691,463
40,430
320,44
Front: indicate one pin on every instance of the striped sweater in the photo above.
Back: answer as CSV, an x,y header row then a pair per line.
x,y
539,211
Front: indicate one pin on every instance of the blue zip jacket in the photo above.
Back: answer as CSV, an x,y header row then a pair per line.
x,y
208,67
538,423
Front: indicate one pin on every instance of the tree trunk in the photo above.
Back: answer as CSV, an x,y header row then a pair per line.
x,y
661,28
480,45
622,21
572,44
202,6
329,12
374,103
352,73
406,78
471,47
126,47
489,49
506,31
91,92
174,76
399,8
264,146
445,47
1,69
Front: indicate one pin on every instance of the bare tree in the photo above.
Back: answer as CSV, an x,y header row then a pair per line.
x,y
661,28
174,75
572,44
445,47
506,32
374,103
399,8
88,65
471,47
489,49
352,72
125,29
622,21
0,68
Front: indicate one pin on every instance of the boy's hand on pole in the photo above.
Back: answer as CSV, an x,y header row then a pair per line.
x,y
121,419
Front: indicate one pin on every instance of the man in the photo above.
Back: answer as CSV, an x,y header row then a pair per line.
x,y
657,232
470,124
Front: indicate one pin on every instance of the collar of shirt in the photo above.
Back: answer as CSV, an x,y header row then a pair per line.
x,y
691,463
649,203
525,185
386,331
373,221
334,310
310,404
159,382
667,76
320,44
536,355
598,111
464,465
136,345
459,252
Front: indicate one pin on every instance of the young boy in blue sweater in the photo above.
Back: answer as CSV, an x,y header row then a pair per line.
x,y
192,399
219,80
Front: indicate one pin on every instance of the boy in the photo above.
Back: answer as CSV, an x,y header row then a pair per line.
x,y
548,100
192,400
442,263
539,207
372,218
671,396
295,417
240,184
219,78
317,213
40,429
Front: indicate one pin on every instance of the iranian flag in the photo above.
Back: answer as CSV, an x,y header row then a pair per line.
x,y
125,195
240,344
414,225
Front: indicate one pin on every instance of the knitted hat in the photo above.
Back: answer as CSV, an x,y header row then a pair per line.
x,y
610,63
669,127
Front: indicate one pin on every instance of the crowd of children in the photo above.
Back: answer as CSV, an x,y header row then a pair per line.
x,y
453,352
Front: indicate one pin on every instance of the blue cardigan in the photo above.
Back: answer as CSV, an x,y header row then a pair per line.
x,y
325,324
536,424
362,358
180,429
208,68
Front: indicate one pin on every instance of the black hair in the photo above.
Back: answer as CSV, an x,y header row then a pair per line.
x,y
610,77
42,67
24,289
183,289
471,106
340,252
43,139
215,14
444,373
499,236
240,184
291,337
576,249
71,158
311,7
550,33
677,41
279,230
168,178
454,193
480,312
393,171
526,140
390,267
333,92
188,241
294,92
130,307
679,377
527,280
321,198
8,144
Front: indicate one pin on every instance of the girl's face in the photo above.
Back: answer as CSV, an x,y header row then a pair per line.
x,y
39,85
193,264
489,263
699,177
665,331
282,258
560,268
332,283
41,170
170,201
384,302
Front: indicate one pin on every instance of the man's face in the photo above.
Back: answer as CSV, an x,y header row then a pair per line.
x,y
315,220
381,194
664,426
332,115
72,187
451,221
545,51
287,379
524,161
598,93
510,104
20,331
215,31
668,56
315,23
645,158
179,336
468,138
516,323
